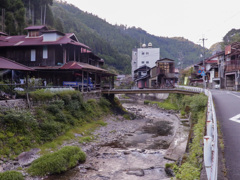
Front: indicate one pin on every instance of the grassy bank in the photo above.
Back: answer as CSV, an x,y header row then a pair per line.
x,y
57,162
196,105
57,115
11,175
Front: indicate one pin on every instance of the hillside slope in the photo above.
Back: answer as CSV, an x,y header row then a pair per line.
x,y
114,43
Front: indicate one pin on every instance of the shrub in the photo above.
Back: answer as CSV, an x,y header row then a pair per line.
x,y
196,103
11,175
57,162
41,95
188,172
50,130
53,108
58,103
18,121
104,104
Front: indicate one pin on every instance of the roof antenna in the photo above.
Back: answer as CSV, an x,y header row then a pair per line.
x,y
140,42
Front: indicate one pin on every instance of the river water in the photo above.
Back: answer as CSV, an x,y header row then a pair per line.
x,y
129,149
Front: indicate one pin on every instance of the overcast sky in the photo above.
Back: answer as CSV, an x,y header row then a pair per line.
x,y
191,19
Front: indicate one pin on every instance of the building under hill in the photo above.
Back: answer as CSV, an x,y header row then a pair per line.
x,y
146,55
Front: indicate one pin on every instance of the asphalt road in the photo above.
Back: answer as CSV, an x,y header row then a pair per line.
x,y
227,106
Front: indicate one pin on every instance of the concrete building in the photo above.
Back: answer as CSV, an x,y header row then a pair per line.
x,y
146,55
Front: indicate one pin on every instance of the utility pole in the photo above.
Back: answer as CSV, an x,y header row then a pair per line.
x,y
204,82
3,20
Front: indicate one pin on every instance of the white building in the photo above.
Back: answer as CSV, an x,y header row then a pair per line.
x,y
144,56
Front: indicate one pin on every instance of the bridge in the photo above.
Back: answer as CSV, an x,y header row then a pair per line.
x,y
150,91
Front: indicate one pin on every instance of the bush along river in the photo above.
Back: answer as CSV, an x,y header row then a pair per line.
x,y
131,149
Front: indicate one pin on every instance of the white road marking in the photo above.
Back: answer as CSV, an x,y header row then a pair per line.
x,y
233,94
235,118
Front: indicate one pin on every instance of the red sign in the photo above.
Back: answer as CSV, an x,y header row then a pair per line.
x,y
228,49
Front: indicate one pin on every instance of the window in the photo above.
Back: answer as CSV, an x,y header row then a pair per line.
x,y
33,54
45,52
142,62
33,33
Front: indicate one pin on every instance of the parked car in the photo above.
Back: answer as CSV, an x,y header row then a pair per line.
x,y
217,86
78,84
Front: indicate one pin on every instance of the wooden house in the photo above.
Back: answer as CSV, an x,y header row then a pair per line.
x,y
141,76
56,56
10,70
232,66
212,69
163,74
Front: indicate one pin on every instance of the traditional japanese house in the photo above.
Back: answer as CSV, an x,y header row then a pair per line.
x,y
232,66
211,71
164,73
10,69
11,74
56,56
141,76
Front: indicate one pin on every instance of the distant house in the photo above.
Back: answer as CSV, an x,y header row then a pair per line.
x,y
164,73
56,56
141,76
211,71
232,66
214,73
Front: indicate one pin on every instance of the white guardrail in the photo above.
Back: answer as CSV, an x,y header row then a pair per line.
x,y
211,138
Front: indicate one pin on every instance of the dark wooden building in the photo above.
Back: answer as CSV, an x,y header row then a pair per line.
x,y
141,76
165,73
232,66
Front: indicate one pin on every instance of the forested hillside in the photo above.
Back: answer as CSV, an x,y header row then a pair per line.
x,y
114,43
123,39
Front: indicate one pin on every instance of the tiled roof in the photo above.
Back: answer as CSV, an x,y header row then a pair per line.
x,y
3,34
9,64
211,61
79,65
35,27
22,40
165,59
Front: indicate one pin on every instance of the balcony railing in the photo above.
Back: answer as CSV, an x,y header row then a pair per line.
x,y
233,65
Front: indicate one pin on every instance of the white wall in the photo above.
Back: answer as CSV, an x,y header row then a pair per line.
x,y
50,36
144,56
147,56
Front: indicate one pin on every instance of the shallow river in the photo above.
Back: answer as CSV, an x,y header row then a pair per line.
x,y
130,149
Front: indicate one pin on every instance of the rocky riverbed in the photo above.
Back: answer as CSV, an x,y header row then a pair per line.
x,y
125,149
131,149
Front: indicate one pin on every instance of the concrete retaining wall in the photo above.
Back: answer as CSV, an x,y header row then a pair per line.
x,y
13,104
22,103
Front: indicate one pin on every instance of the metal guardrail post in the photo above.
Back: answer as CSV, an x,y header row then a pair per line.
x,y
209,128
208,154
